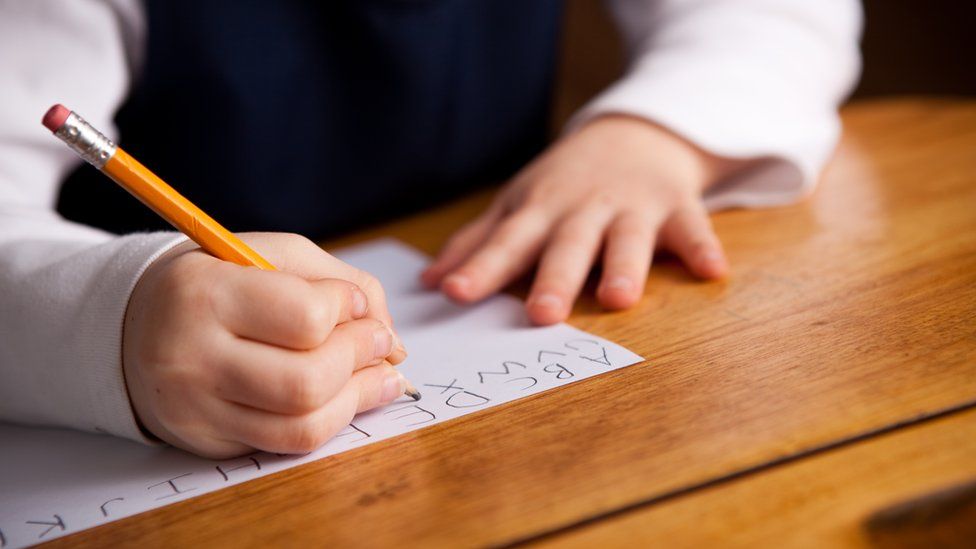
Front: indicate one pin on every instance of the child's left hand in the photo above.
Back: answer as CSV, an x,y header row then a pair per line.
x,y
619,183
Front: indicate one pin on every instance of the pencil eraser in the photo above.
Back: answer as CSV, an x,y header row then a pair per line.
x,y
55,117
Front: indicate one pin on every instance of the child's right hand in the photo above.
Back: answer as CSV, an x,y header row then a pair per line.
x,y
221,360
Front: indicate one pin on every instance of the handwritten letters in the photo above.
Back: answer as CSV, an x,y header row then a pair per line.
x,y
462,359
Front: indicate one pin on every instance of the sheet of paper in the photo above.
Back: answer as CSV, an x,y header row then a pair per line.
x,y
463,359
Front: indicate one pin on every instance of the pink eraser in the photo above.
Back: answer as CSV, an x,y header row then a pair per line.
x,y
55,117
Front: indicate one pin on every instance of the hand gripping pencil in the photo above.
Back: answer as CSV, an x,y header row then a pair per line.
x,y
99,151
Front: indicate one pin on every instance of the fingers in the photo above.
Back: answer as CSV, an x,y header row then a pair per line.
x,y
565,264
298,255
375,295
627,259
286,310
688,233
375,387
299,382
508,252
300,434
460,247
493,260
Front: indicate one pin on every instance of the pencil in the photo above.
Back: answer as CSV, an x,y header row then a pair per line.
x,y
99,151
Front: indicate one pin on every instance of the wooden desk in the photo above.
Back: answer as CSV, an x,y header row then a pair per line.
x,y
847,319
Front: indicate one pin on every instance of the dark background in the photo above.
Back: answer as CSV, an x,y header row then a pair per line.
x,y
914,47
910,47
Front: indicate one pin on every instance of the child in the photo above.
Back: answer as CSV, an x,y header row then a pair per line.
x,y
311,117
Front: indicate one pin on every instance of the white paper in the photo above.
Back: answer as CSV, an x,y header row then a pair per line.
x,y
463,359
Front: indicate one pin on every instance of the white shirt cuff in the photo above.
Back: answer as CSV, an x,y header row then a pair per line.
x,y
731,117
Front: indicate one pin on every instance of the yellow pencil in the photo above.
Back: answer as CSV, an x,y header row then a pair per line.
x,y
102,153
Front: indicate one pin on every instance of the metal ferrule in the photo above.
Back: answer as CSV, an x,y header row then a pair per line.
x,y
85,140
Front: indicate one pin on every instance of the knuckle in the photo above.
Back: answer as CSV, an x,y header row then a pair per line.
x,y
370,285
488,260
305,437
368,396
465,235
539,194
515,230
304,390
296,245
633,219
347,288
509,232
354,347
528,217
676,196
458,240
688,199
365,341
342,296
604,199
575,232
690,209
296,241
631,224
312,320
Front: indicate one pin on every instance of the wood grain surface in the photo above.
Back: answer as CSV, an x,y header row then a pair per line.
x,y
848,314
823,501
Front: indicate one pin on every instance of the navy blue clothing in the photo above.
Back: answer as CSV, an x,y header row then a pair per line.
x,y
315,117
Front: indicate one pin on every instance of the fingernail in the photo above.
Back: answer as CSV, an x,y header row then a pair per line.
x,y
457,282
394,384
547,301
399,353
713,263
621,283
382,342
711,256
359,303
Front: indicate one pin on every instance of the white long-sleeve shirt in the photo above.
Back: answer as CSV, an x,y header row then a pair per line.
x,y
746,79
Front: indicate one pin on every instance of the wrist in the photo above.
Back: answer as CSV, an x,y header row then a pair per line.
x,y
680,159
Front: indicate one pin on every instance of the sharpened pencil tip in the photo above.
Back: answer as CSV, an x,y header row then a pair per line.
x,y
411,391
